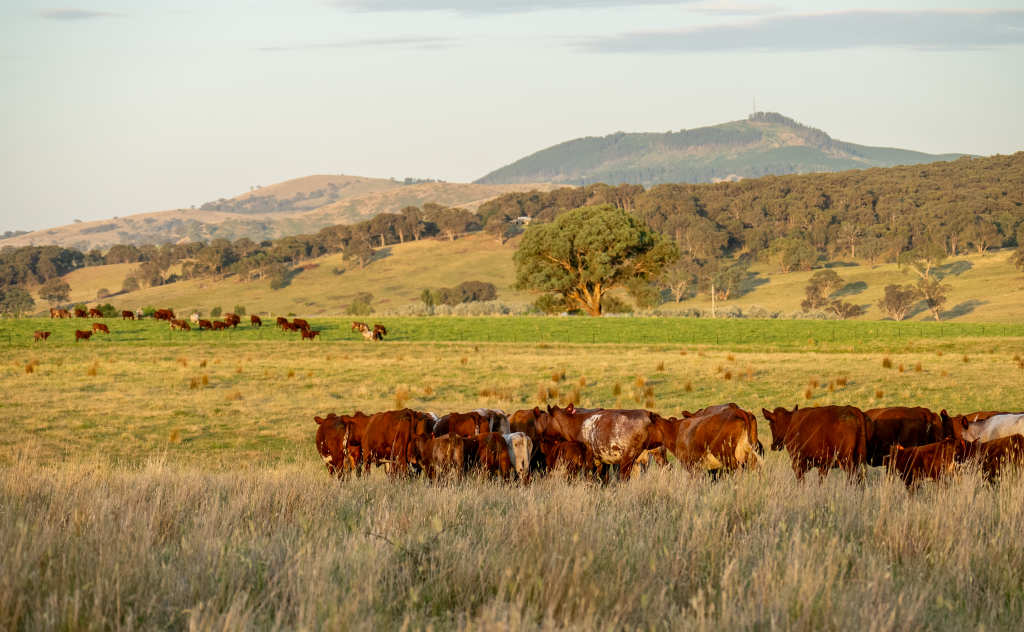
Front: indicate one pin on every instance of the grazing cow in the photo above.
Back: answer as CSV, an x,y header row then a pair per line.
x,y
54,312
180,324
204,324
79,313
100,327
995,427
63,313
358,326
463,424
387,438
95,313
82,335
496,419
996,454
725,438
194,317
493,454
300,323
369,336
614,436
825,437
218,325
525,421
572,455
281,321
255,321
520,451
163,314
40,335
908,427
934,461
233,320
289,327
379,332
440,455
127,315
310,333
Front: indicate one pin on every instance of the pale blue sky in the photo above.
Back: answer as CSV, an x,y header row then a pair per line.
x,y
118,107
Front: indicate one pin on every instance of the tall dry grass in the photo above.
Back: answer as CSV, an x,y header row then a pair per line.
x,y
87,546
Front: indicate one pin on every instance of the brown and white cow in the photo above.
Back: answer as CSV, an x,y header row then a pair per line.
x,y
520,451
497,421
95,313
100,327
615,437
933,461
825,437
908,427
40,335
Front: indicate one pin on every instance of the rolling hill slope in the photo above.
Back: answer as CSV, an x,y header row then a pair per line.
x,y
766,143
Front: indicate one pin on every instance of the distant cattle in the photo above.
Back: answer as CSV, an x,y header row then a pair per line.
x,y
233,320
127,315
369,336
725,438
289,327
281,321
520,450
255,321
825,437
933,461
204,324
180,325
100,327
301,324
358,326
217,325
995,427
310,333
994,455
40,335
379,332
194,317
908,427
616,437
95,313
82,335
59,313
163,314
79,313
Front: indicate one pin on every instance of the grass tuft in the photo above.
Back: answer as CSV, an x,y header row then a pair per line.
x,y
749,371
966,359
660,366
175,437
841,380
918,368
943,373
583,381
29,368
730,358
808,393
194,383
886,362
183,362
879,393
556,376
203,364
901,367
206,380
688,387
463,360
683,352
727,376
813,383
291,374
428,390
401,396
640,381
542,394
617,389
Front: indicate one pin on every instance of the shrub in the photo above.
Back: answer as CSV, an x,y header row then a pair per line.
x,y
359,309
277,284
148,311
612,305
216,312
102,293
363,297
550,304
239,310
108,310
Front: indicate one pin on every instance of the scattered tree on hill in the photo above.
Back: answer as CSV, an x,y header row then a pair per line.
x,y
923,258
823,284
788,253
360,251
358,309
16,302
102,293
498,227
934,294
430,297
55,292
216,312
465,292
899,300
363,297
845,310
239,310
982,235
727,281
130,284
677,279
589,251
644,293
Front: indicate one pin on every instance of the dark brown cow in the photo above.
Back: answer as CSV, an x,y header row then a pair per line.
x,y
82,335
255,321
233,320
163,314
387,439
217,325
463,424
492,454
100,327
40,335
95,313
301,324
379,332
614,436
331,438
310,333
908,427
204,324
288,327
440,455
281,321
127,315
358,326
725,438
825,437
994,455
572,455
180,324
934,461
80,313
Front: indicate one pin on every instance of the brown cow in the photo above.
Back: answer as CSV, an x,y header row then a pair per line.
x,y
95,313
79,313
379,332
825,437
288,327
163,314
180,324
310,333
217,325
441,455
233,320
492,454
934,461
725,438
82,335
525,421
387,439
127,315
63,313
331,441
358,326
100,327
301,324
572,455
204,324
908,427
281,321
996,454
54,312
255,321
614,436
40,335
463,424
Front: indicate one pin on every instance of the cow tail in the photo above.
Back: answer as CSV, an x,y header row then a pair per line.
x,y
754,441
862,441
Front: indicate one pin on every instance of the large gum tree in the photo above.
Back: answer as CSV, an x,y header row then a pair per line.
x,y
589,251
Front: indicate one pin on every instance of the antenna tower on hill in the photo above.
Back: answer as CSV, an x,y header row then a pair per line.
x,y
755,105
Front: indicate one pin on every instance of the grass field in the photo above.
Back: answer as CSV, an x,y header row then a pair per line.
x,y
148,485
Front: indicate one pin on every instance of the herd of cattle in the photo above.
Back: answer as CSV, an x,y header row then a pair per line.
x,y
229,321
912,443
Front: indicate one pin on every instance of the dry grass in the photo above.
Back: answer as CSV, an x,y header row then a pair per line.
x,y
203,364
730,357
183,362
171,547
617,389
542,394
879,393
841,380
29,368
966,359
813,383
886,362
402,396
583,381
556,376
808,393
291,374
464,360
918,368
428,390
901,367
727,376
640,381
688,387
660,367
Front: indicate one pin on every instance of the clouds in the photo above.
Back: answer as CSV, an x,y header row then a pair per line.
x,y
811,32
491,6
71,14
404,42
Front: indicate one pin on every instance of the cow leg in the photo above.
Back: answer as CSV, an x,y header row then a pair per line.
x,y
800,468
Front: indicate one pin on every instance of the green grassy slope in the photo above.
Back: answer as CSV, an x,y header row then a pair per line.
x,y
984,289
744,148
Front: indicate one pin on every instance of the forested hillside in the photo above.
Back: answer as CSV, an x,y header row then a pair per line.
x,y
766,143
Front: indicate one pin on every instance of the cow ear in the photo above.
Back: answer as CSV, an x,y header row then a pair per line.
x,y
570,408
796,408
767,415
536,411
549,409
319,420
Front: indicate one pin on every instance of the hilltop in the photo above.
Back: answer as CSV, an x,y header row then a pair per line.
x,y
766,143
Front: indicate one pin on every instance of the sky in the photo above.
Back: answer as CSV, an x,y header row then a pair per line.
x,y
109,108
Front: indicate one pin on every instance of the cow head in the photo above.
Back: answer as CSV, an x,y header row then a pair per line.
x,y
332,442
778,422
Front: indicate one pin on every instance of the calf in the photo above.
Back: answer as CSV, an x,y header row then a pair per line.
x,y
908,427
82,335
40,335
100,327
520,450
255,321
204,324
934,461
440,455
217,325
127,315
310,333
95,313
825,437
180,324
572,455
996,454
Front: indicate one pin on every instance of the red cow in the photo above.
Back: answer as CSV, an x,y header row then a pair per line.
x,y
79,313
379,332
301,324
492,454
95,313
40,335
994,455
163,314
180,324
204,324
127,315
908,427
100,327
825,437
255,321
310,333
281,321
387,438
288,327
934,461
572,455
463,424
614,436
218,325
82,335
358,326
334,443
54,312
723,439
233,320
440,455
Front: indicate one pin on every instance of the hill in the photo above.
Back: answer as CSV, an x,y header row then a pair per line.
x,y
274,211
766,143
984,289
